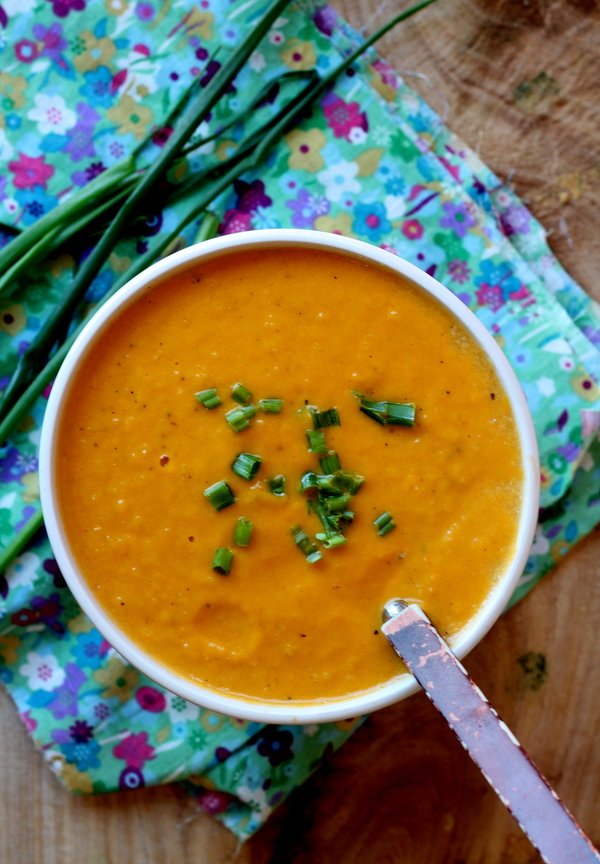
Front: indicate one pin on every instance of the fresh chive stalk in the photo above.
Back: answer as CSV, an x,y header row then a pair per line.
x,y
220,495
308,547
323,419
242,533
277,484
384,523
316,441
246,465
29,378
330,463
309,480
240,394
389,413
209,397
36,354
222,561
270,406
239,417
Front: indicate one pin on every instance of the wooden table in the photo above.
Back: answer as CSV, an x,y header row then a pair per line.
x,y
520,81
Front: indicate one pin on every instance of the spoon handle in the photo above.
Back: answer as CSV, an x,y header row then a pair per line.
x,y
486,738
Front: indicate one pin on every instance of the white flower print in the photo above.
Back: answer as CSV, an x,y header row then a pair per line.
x,y
6,148
23,571
42,671
339,180
51,114
180,710
395,206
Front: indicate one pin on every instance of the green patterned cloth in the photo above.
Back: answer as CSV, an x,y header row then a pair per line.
x,y
81,84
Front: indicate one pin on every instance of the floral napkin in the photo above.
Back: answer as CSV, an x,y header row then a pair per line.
x,y
81,83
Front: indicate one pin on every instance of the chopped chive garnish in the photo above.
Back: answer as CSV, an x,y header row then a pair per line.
x,y
332,540
316,441
242,532
308,547
220,495
308,481
246,465
330,463
270,406
388,413
222,560
322,419
240,393
209,398
277,484
337,503
384,524
239,417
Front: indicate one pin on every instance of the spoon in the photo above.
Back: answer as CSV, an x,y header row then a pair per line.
x,y
489,742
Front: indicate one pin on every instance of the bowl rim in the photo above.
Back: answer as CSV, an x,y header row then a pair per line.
x,y
325,710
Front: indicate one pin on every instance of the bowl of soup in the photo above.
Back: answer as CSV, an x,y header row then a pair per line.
x,y
260,440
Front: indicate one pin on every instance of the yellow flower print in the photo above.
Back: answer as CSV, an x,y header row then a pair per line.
x,y
80,624
75,780
12,319
118,680
585,386
116,7
212,722
31,487
306,146
8,648
11,90
96,52
198,22
340,224
130,117
299,55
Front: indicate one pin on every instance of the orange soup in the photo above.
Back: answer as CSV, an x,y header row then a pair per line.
x,y
317,330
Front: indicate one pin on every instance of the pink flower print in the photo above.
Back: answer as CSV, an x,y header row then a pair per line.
x,y
213,802
151,699
134,750
342,117
30,171
234,222
412,229
459,271
490,296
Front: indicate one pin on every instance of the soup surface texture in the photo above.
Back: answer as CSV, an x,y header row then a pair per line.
x,y
137,450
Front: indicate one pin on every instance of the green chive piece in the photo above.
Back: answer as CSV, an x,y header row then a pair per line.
x,y
337,503
309,481
316,441
209,398
308,547
246,465
384,524
242,532
222,561
330,463
322,419
388,413
277,484
270,406
240,393
332,540
239,417
220,495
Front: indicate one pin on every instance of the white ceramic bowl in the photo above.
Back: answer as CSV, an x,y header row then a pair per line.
x,y
290,712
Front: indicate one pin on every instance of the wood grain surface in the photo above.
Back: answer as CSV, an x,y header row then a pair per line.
x,y
520,82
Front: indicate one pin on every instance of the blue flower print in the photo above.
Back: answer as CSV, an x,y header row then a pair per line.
x,y
97,88
35,203
89,650
83,754
370,219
